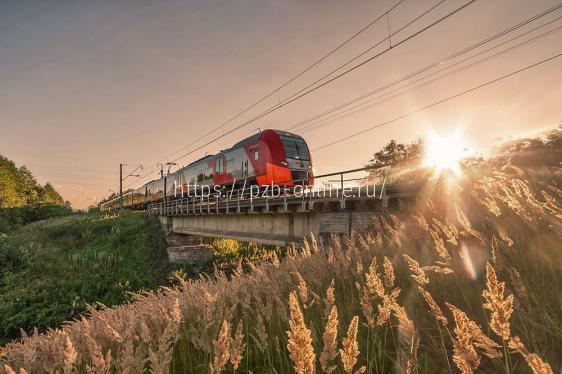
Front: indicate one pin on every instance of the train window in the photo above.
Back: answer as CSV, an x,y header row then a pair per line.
x,y
256,155
218,166
295,147
230,166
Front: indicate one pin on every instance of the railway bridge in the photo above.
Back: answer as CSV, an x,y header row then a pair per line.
x,y
278,217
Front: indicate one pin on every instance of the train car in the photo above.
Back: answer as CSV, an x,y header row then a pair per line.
x,y
271,156
268,157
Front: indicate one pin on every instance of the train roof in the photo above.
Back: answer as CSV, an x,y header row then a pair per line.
x,y
196,161
253,138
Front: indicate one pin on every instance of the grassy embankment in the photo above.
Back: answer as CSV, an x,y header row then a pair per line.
x,y
53,268
465,278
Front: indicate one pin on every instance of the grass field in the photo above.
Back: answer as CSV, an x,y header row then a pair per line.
x,y
466,279
53,268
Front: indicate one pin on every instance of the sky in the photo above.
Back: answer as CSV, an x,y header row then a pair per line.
x,y
87,85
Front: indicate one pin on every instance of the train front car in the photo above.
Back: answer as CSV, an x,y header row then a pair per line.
x,y
297,158
284,160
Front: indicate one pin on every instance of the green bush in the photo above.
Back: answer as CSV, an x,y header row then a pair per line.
x,y
12,218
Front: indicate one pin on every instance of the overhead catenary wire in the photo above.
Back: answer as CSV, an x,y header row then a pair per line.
x,y
318,87
395,119
436,63
311,87
283,103
401,90
329,81
294,77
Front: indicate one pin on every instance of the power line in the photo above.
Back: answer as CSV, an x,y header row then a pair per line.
x,y
434,64
376,45
342,115
404,40
284,103
325,83
293,78
509,49
349,39
436,103
303,92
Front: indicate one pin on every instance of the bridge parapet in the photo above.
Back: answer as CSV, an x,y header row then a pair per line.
x,y
281,198
284,219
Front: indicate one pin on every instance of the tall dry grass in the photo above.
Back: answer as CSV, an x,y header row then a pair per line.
x,y
465,279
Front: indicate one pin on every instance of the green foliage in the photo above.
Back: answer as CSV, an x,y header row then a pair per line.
x,y
52,269
23,200
19,188
226,248
397,153
403,159
11,218
228,253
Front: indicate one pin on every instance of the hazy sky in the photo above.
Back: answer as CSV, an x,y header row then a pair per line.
x,y
85,85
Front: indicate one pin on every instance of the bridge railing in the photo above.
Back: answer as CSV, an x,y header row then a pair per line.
x,y
334,187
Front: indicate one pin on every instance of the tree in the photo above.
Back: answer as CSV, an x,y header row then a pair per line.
x,y
19,188
48,195
9,195
27,186
395,154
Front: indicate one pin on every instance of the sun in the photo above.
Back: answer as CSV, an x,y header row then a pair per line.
x,y
444,153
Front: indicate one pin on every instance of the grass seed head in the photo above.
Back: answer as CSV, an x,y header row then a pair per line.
x,y
350,347
330,340
299,342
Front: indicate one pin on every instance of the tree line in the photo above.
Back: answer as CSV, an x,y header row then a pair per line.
x,y
23,199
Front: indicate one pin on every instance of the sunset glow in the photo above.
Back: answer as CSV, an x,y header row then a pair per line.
x,y
445,153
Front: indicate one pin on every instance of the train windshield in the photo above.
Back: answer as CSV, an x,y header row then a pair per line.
x,y
295,147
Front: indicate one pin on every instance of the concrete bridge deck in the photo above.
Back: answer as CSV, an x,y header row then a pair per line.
x,y
279,220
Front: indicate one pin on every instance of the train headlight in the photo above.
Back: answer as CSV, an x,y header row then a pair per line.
x,y
284,163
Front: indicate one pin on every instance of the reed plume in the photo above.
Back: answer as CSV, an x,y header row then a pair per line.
x,y
448,230
237,346
468,337
373,281
261,336
221,348
299,342
409,337
537,365
433,307
70,356
365,302
517,282
330,339
418,274
440,248
500,307
464,354
350,347
388,273
302,287
504,236
385,309
330,299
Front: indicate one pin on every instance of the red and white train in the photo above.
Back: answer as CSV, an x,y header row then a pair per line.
x,y
268,157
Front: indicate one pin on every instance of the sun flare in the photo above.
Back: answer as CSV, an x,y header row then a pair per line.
x,y
445,153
